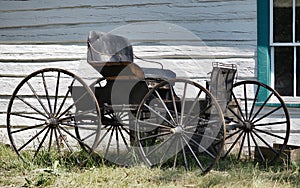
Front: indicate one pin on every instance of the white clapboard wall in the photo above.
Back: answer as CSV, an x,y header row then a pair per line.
x,y
37,34
218,22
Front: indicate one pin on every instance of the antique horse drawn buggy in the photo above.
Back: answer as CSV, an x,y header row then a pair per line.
x,y
130,114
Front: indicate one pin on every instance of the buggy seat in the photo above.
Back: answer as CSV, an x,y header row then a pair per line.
x,y
156,73
112,56
109,54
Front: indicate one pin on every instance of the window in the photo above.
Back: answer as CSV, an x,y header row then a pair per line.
x,y
284,46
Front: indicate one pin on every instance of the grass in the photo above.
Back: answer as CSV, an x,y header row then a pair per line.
x,y
15,173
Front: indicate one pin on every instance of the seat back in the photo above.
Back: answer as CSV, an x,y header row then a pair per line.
x,y
221,83
112,57
106,47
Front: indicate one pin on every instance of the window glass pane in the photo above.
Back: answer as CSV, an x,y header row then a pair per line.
x,y
284,70
298,21
282,20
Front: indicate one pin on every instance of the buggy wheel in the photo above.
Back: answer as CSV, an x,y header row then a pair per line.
x,y
256,119
179,123
53,115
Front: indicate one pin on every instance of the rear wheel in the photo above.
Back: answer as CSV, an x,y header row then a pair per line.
x,y
53,114
179,123
258,122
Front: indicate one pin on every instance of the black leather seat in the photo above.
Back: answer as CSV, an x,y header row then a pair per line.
x,y
156,73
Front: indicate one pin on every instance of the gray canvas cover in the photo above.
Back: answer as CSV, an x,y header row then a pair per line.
x,y
106,47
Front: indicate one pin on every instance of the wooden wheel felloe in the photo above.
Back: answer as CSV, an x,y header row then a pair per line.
x,y
257,119
52,114
179,123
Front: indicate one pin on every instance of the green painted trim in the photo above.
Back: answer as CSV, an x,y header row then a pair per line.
x,y
289,105
263,49
263,41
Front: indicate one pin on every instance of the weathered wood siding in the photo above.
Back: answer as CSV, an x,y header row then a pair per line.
x,y
218,22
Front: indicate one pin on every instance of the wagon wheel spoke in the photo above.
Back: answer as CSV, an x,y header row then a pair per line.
x,y
28,128
272,123
188,121
88,136
201,147
258,148
267,114
176,153
32,107
236,115
254,101
57,142
71,106
269,133
159,146
109,142
228,136
239,108
104,135
64,140
156,125
117,140
27,116
169,147
193,153
75,125
76,138
158,115
56,91
194,103
233,144
165,107
50,142
184,155
183,103
123,137
76,115
262,106
41,144
174,104
246,103
38,98
155,136
267,144
126,130
202,135
47,93
32,138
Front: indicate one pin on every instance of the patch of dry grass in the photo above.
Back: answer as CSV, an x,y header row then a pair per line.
x,y
15,173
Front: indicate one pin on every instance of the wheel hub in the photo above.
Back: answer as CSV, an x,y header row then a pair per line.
x,y
248,126
177,130
52,122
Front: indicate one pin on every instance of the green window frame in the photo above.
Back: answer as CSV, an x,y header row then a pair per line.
x,y
264,69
